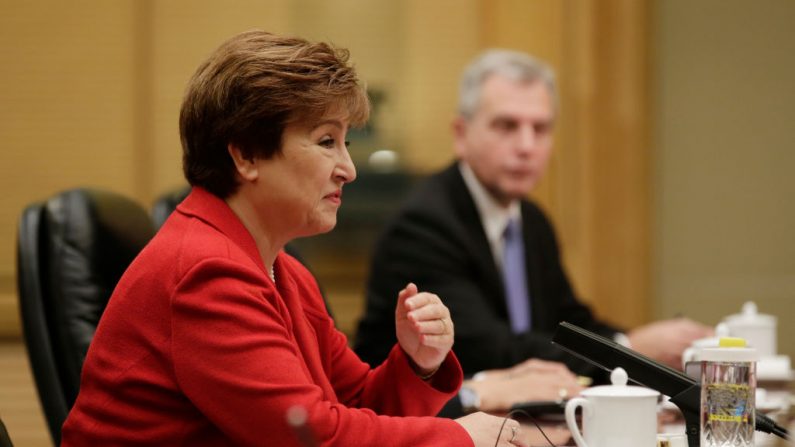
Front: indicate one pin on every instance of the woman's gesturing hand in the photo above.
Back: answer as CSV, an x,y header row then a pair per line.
x,y
424,328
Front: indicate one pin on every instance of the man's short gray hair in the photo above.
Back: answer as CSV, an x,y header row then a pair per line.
x,y
514,65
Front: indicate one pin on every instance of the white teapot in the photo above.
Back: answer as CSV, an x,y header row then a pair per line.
x,y
615,415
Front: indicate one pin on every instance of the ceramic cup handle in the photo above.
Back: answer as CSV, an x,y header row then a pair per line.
x,y
571,420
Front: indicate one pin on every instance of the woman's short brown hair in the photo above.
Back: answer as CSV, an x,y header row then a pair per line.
x,y
248,90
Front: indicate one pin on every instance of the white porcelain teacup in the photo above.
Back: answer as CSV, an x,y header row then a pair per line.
x,y
692,354
691,357
615,415
759,330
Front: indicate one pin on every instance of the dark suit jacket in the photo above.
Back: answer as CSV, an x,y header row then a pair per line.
x,y
437,241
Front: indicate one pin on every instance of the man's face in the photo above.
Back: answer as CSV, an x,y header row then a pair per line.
x,y
508,140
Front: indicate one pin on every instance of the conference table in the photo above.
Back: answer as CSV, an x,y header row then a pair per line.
x,y
669,421
775,391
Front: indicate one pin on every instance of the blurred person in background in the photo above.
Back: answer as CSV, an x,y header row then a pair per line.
x,y
214,333
471,234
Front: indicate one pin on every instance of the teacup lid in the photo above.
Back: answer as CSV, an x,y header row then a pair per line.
x,y
619,387
750,316
731,349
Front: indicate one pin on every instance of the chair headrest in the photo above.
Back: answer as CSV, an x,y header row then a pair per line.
x,y
166,204
89,238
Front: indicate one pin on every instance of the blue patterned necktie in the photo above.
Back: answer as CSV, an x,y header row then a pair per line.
x,y
514,277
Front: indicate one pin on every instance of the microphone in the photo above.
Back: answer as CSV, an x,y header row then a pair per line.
x,y
297,417
684,391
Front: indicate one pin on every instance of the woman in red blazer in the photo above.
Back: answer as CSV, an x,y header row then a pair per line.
x,y
214,335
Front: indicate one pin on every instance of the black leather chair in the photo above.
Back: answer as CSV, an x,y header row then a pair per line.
x,y
5,440
166,204
72,250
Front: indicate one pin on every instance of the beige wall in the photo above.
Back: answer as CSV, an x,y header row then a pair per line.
x,y
724,186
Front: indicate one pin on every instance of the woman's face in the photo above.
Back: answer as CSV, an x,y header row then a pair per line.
x,y
299,191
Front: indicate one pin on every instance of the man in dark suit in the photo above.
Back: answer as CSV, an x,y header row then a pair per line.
x,y
506,294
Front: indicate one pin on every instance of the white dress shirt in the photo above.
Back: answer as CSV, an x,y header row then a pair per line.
x,y
493,215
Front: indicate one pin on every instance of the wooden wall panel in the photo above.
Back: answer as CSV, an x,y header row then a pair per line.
x,y
184,33
597,187
440,38
621,156
67,108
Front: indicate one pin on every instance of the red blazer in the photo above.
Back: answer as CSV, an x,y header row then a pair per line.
x,y
198,347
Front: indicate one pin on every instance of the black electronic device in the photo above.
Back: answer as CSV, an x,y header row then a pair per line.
x,y
542,409
684,391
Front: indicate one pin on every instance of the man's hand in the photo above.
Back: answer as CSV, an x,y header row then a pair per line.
x,y
533,379
529,366
424,328
666,340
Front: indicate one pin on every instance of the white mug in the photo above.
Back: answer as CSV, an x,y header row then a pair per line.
x,y
614,415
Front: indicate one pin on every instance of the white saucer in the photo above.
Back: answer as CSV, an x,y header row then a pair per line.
x,y
775,369
773,376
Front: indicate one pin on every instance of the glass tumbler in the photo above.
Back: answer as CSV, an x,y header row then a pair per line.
x,y
728,388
